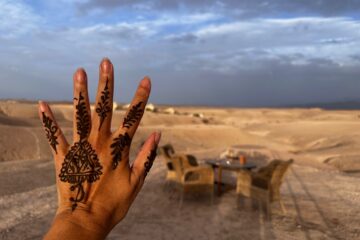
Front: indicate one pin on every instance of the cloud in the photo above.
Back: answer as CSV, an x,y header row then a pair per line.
x,y
179,38
16,18
118,31
243,44
243,8
194,56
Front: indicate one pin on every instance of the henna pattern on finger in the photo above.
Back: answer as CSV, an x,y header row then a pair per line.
x,y
81,163
150,160
103,107
133,116
118,147
50,129
82,118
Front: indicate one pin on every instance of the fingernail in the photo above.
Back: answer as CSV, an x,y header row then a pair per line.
x,y
42,106
146,82
106,65
80,76
157,138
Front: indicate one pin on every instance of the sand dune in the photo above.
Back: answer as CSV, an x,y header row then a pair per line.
x,y
20,110
321,193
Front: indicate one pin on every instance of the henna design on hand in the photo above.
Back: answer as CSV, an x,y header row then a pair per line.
x,y
118,147
82,118
150,160
50,129
134,114
81,162
104,106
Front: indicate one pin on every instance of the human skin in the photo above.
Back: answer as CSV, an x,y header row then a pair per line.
x,y
95,183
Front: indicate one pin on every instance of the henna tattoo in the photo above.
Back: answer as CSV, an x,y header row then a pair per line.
x,y
104,106
150,160
82,118
81,162
134,114
118,147
50,129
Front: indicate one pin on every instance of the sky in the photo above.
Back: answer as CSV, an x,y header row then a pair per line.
x,y
199,52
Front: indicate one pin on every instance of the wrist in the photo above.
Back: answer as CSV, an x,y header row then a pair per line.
x,y
78,224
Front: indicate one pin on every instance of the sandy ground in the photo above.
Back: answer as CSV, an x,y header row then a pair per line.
x,y
321,191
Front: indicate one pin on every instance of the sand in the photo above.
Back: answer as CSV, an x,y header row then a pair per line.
x,y
321,191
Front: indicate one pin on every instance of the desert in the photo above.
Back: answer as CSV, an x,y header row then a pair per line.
x,y
321,191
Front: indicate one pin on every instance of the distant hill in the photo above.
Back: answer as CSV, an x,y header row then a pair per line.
x,y
338,105
341,105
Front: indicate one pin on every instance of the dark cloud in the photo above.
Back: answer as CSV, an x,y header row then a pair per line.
x,y
241,8
277,84
186,38
355,57
336,41
322,62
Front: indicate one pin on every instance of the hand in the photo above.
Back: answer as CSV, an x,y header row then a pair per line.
x,y
95,183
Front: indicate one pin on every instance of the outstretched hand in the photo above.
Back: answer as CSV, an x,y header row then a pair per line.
x,y
96,184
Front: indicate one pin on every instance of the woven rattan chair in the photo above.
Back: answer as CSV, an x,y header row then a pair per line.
x,y
192,178
264,185
167,151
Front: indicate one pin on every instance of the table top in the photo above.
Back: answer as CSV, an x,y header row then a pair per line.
x,y
230,164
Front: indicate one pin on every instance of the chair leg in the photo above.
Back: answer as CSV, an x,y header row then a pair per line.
x,y
282,206
254,203
260,207
212,195
268,209
238,199
181,197
166,185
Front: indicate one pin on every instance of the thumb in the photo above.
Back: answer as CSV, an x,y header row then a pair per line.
x,y
145,159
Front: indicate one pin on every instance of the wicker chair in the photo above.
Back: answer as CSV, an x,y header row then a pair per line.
x,y
192,178
167,151
265,184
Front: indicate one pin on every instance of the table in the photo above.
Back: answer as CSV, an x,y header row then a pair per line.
x,y
231,165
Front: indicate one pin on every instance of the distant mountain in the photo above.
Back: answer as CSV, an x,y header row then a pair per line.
x,y
341,105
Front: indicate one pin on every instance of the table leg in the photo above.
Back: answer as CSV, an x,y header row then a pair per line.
x,y
219,180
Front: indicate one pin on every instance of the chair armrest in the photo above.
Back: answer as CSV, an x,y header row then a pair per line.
x,y
199,169
177,155
188,161
203,174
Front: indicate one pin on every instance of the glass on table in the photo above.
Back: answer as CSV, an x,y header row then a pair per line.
x,y
242,159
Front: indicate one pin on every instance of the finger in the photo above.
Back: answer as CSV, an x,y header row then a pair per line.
x,y
55,136
123,136
120,149
101,120
145,159
136,109
82,121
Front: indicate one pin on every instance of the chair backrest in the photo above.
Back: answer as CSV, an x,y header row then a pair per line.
x,y
267,171
278,173
168,152
191,160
